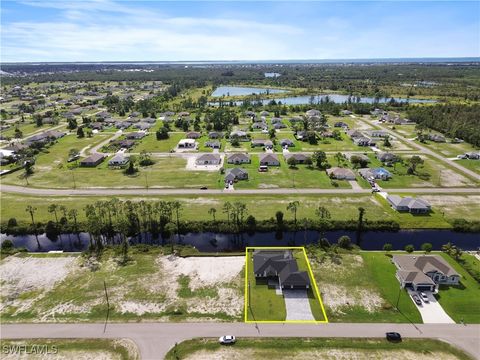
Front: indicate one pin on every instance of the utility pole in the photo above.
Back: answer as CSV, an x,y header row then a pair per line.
x,y
108,306
398,298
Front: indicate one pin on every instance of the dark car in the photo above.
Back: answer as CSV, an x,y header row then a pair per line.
x,y
416,299
203,188
393,336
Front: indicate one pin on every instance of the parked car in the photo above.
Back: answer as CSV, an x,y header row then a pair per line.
x,y
393,336
424,297
416,299
227,185
203,188
227,339
461,156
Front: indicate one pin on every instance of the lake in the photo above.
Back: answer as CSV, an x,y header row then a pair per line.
x,y
243,91
213,242
308,99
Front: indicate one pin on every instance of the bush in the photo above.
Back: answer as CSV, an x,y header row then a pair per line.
x,y
7,245
409,248
344,242
387,247
426,247
12,222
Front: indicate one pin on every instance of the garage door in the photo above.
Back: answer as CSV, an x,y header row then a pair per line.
x,y
424,288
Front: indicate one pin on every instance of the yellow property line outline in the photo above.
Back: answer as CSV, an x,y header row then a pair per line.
x,y
311,277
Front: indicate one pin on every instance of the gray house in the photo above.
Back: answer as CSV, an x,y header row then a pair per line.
x,y
301,158
341,173
238,158
92,160
424,273
286,142
269,159
281,268
409,204
119,160
235,174
208,159
214,144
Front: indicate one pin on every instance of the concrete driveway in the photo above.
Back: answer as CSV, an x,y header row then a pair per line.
x,y
432,312
297,305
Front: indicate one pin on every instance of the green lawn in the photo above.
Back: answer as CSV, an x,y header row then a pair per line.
x,y
263,303
316,348
284,177
75,348
473,165
260,206
26,129
461,302
150,143
382,272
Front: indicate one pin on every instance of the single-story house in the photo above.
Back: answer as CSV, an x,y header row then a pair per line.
x,y
269,159
259,125
92,160
183,113
376,133
264,113
341,173
149,120
363,141
214,144
208,159
301,135
473,155
267,144
313,112
187,144
135,135
96,125
436,138
280,266
238,158
424,273
276,120
235,174
193,135
386,157
119,159
279,125
340,124
286,142
301,158
377,173
215,135
123,125
240,135
102,115
44,137
143,126
409,204
126,144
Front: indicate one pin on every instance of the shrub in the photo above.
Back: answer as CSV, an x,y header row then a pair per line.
x,y
409,248
344,242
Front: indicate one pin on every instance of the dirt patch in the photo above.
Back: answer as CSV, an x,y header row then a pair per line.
x,y
23,275
204,271
451,178
231,353
267,186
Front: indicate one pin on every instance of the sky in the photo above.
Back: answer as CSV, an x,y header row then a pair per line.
x,y
108,30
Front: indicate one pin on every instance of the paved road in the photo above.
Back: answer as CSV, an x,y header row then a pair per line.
x,y
158,191
424,150
155,339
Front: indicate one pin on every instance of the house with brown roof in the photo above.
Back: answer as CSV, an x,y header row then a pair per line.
x,y
269,159
93,160
341,173
424,273
238,158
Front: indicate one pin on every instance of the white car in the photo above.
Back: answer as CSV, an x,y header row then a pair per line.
x,y
424,297
227,339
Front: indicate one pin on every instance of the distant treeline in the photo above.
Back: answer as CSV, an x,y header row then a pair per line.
x,y
454,120
382,80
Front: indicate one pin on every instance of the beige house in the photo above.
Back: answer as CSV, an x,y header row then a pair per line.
x,y
424,272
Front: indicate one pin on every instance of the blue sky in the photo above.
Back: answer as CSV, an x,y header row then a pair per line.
x,y
108,30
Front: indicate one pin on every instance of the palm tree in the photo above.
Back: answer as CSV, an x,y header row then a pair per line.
x,y
212,211
293,207
361,212
227,207
30,209
73,214
323,213
339,158
177,208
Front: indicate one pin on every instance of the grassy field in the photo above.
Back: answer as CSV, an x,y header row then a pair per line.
x,y
284,176
473,165
314,348
26,129
263,303
360,287
150,143
382,272
341,207
461,302
123,349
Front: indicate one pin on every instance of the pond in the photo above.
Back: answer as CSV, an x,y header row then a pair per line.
x,y
242,91
213,242
336,98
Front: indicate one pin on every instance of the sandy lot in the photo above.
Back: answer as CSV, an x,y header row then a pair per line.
x,y
451,178
331,354
30,274
192,166
338,294
220,273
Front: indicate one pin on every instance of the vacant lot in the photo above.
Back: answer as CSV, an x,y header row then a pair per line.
x,y
85,349
150,285
311,348
360,287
